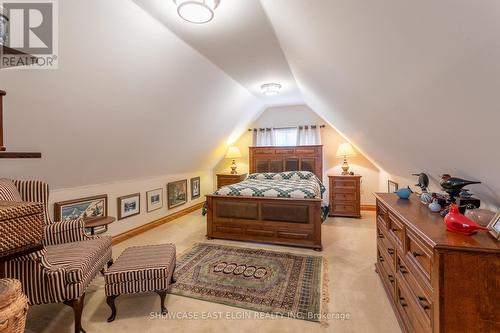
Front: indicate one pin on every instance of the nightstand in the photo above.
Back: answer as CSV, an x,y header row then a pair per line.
x,y
224,179
345,196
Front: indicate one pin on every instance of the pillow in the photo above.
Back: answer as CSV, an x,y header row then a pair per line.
x,y
9,191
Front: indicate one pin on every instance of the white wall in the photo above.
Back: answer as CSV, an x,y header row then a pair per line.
x,y
118,189
331,139
130,100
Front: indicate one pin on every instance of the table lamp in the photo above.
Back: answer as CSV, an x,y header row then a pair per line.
x,y
345,150
233,152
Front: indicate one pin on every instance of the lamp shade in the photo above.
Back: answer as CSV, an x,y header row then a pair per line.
x,y
345,150
233,152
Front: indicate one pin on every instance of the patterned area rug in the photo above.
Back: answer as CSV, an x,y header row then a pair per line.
x,y
275,282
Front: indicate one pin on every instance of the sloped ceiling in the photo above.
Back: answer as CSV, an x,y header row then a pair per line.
x,y
129,100
415,84
240,40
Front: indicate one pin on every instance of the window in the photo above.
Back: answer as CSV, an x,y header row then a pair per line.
x,y
285,136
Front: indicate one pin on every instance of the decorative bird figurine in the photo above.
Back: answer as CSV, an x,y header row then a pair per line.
x,y
453,185
456,222
423,181
404,193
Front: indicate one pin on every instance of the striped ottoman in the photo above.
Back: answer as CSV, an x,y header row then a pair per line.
x,y
141,269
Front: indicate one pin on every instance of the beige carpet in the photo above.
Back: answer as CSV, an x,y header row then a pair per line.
x,y
355,289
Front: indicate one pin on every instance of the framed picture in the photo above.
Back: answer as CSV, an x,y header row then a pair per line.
x,y
129,205
494,226
154,199
86,208
195,188
392,186
177,193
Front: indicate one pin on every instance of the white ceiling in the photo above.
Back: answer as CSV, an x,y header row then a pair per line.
x,y
415,84
240,40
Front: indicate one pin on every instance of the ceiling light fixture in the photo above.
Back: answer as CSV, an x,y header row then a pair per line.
x,y
196,11
271,89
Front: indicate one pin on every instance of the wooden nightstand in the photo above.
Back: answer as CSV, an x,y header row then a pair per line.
x,y
345,196
224,179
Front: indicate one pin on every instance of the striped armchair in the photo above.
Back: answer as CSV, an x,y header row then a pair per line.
x,y
69,261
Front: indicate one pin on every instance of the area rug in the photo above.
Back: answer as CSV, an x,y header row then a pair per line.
x,y
279,283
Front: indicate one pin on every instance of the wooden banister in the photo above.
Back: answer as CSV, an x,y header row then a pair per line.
x,y
2,94
3,152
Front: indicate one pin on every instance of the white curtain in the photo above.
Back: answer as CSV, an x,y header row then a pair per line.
x,y
263,137
308,135
285,136
288,136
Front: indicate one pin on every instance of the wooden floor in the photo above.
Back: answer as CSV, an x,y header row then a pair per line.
x,y
354,289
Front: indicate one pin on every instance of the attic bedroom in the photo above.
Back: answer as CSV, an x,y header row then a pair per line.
x,y
249,165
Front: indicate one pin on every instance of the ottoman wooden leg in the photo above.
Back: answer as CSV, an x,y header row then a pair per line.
x,y
162,294
111,302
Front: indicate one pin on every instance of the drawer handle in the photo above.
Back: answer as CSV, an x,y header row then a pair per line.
x,y
390,251
380,235
416,254
381,258
395,229
402,301
391,278
422,301
402,269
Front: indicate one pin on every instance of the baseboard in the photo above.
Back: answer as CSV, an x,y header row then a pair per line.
x,y
370,208
156,223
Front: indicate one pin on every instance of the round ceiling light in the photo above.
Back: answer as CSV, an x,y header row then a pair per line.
x,y
196,11
271,89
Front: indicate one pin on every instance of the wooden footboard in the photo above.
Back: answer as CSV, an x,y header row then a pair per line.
x,y
295,222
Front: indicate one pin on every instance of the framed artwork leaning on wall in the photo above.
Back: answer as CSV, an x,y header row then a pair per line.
x,y
195,188
129,205
154,199
177,193
87,208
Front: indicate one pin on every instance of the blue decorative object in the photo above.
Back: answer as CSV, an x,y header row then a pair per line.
x,y
435,206
426,198
404,193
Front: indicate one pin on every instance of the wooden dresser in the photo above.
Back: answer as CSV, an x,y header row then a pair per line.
x,y
345,196
436,281
224,179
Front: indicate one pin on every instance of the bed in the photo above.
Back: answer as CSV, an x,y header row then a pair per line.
x,y
279,203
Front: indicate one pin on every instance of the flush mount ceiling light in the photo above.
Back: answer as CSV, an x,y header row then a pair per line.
x,y
270,89
196,11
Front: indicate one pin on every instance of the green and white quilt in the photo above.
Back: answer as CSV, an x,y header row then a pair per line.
x,y
292,184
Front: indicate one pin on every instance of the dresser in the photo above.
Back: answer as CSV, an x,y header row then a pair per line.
x,y
224,179
345,195
436,281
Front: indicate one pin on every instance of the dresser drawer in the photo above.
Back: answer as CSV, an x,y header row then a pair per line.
x,y
396,230
345,184
386,246
382,215
409,309
419,254
345,196
421,297
388,278
344,207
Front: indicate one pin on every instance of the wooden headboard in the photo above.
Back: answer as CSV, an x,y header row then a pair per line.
x,y
294,158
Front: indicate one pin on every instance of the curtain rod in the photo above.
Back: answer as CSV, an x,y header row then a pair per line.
x,y
300,127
